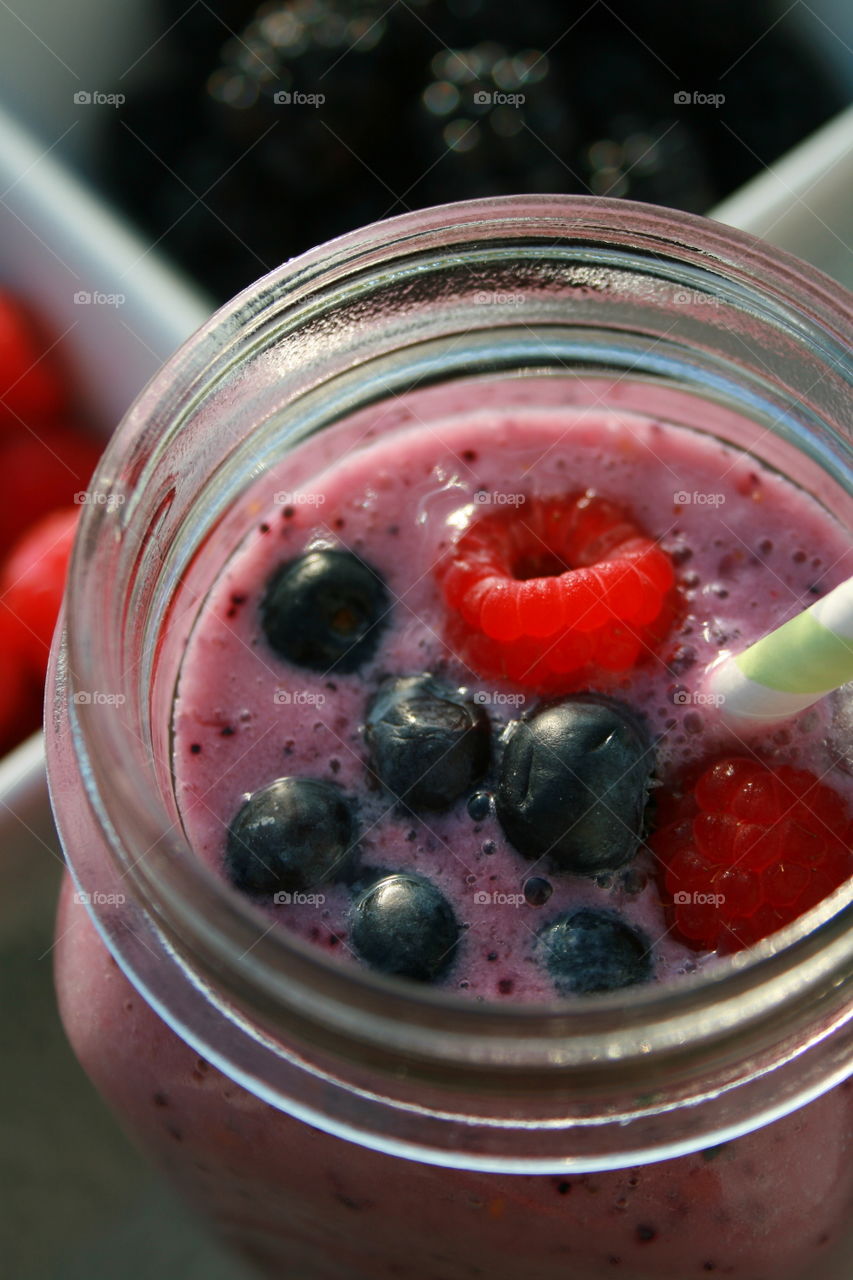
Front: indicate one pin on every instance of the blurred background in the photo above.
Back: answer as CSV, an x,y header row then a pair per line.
x,y
235,135
156,156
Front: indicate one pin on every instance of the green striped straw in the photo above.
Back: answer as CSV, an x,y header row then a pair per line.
x,y
790,668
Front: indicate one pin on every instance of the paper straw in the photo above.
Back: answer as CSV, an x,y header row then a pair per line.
x,y
790,668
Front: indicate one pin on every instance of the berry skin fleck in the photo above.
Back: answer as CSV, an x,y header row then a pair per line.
x,y
571,588
749,850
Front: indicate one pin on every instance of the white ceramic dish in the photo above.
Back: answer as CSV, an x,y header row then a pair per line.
x,y
78,1202
804,202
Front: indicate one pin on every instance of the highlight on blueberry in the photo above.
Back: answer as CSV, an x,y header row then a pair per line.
x,y
428,744
402,924
325,610
573,784
589,951
291,835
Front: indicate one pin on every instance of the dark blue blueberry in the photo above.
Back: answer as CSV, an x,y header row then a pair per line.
x,y
403,925
590,950
291,835
428,744
325,610
573,784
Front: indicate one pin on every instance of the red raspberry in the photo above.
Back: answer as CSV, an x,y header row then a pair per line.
x,y
32,387
31,585
40,472
557,590
20,696
770,842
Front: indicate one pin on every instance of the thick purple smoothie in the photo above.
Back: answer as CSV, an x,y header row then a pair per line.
x,y
776,1204
301,1204
750,550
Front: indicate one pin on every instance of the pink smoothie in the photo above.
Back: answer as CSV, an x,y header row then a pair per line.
x,y
774,1205
750,550
303,1205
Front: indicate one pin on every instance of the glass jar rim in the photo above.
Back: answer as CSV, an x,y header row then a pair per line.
x,y
190,913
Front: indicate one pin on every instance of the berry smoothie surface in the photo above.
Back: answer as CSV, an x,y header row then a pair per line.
x,y
443,712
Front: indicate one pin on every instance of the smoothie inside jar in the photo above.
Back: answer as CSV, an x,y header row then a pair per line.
x,y
468,793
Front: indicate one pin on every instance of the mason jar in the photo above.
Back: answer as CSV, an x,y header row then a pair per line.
x,y
332,1122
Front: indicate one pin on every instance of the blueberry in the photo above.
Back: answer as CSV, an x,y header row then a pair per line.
x,y
573,784
325,610
428,744
403,925
590,950
290,835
